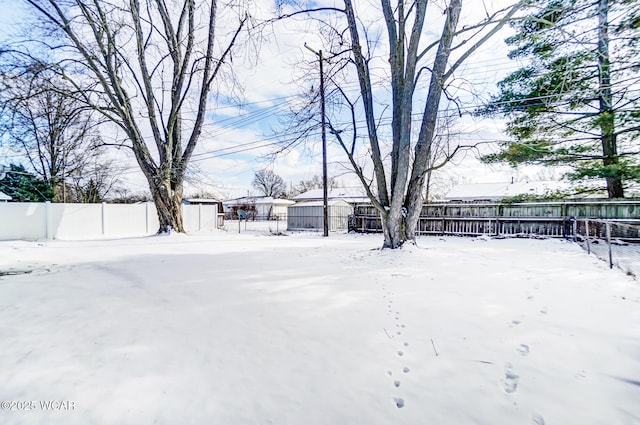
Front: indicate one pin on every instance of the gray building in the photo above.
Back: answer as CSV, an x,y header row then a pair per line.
x,y
309,215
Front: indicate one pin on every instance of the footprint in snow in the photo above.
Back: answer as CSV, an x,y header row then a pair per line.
x,y
523,349
396,383
514,323
537,420
399,402
510,383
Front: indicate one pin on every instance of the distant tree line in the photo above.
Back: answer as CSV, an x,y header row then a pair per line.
x,y
268,183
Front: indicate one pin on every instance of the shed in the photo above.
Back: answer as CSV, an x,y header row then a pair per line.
x,y
309,215
4,197
206,201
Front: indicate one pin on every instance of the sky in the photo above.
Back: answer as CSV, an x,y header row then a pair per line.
x,y
237,138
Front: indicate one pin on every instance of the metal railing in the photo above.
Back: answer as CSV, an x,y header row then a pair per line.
x,y
615,241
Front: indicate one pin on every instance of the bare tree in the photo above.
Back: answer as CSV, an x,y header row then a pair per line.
x,y
314,182
56,135
148,66
96,181
397,190
269,183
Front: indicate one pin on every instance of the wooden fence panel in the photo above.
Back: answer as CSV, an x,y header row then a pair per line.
x,y
551,219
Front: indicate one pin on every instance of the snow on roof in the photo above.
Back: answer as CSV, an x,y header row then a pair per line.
x,y
331,202
4,197
496,191
282,202
349,194
202,201
257,200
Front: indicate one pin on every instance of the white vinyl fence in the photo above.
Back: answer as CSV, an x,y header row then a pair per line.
x,y
33,221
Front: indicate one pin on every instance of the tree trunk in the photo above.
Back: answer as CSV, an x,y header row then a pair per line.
x,y
607,116
168,206
393,228
414,202
614,187
413,199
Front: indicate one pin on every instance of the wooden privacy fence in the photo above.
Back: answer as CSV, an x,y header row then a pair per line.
x,y
551,219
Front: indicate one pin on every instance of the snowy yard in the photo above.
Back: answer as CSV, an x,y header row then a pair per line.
x,y
223,328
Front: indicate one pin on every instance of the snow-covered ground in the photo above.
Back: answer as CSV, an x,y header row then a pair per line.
x,y
250,328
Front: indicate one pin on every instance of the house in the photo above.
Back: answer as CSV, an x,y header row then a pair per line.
x,y
309,215
492,192
257,207
4,197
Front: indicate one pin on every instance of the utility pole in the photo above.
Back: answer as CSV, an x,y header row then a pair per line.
x,y
325,202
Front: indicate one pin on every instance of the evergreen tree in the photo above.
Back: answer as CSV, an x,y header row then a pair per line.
x,y
23,186
576,101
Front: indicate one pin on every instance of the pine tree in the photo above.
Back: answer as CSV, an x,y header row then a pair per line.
x,y
23,186
576,101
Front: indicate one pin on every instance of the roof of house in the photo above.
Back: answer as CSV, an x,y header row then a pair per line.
x,y
4,197
201,201
331,203
257,200
496,191
349,194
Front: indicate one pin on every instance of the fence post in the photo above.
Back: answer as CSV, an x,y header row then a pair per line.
x,y
575,229
608,226
586,230
104,217
146,217
47,217
199,217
